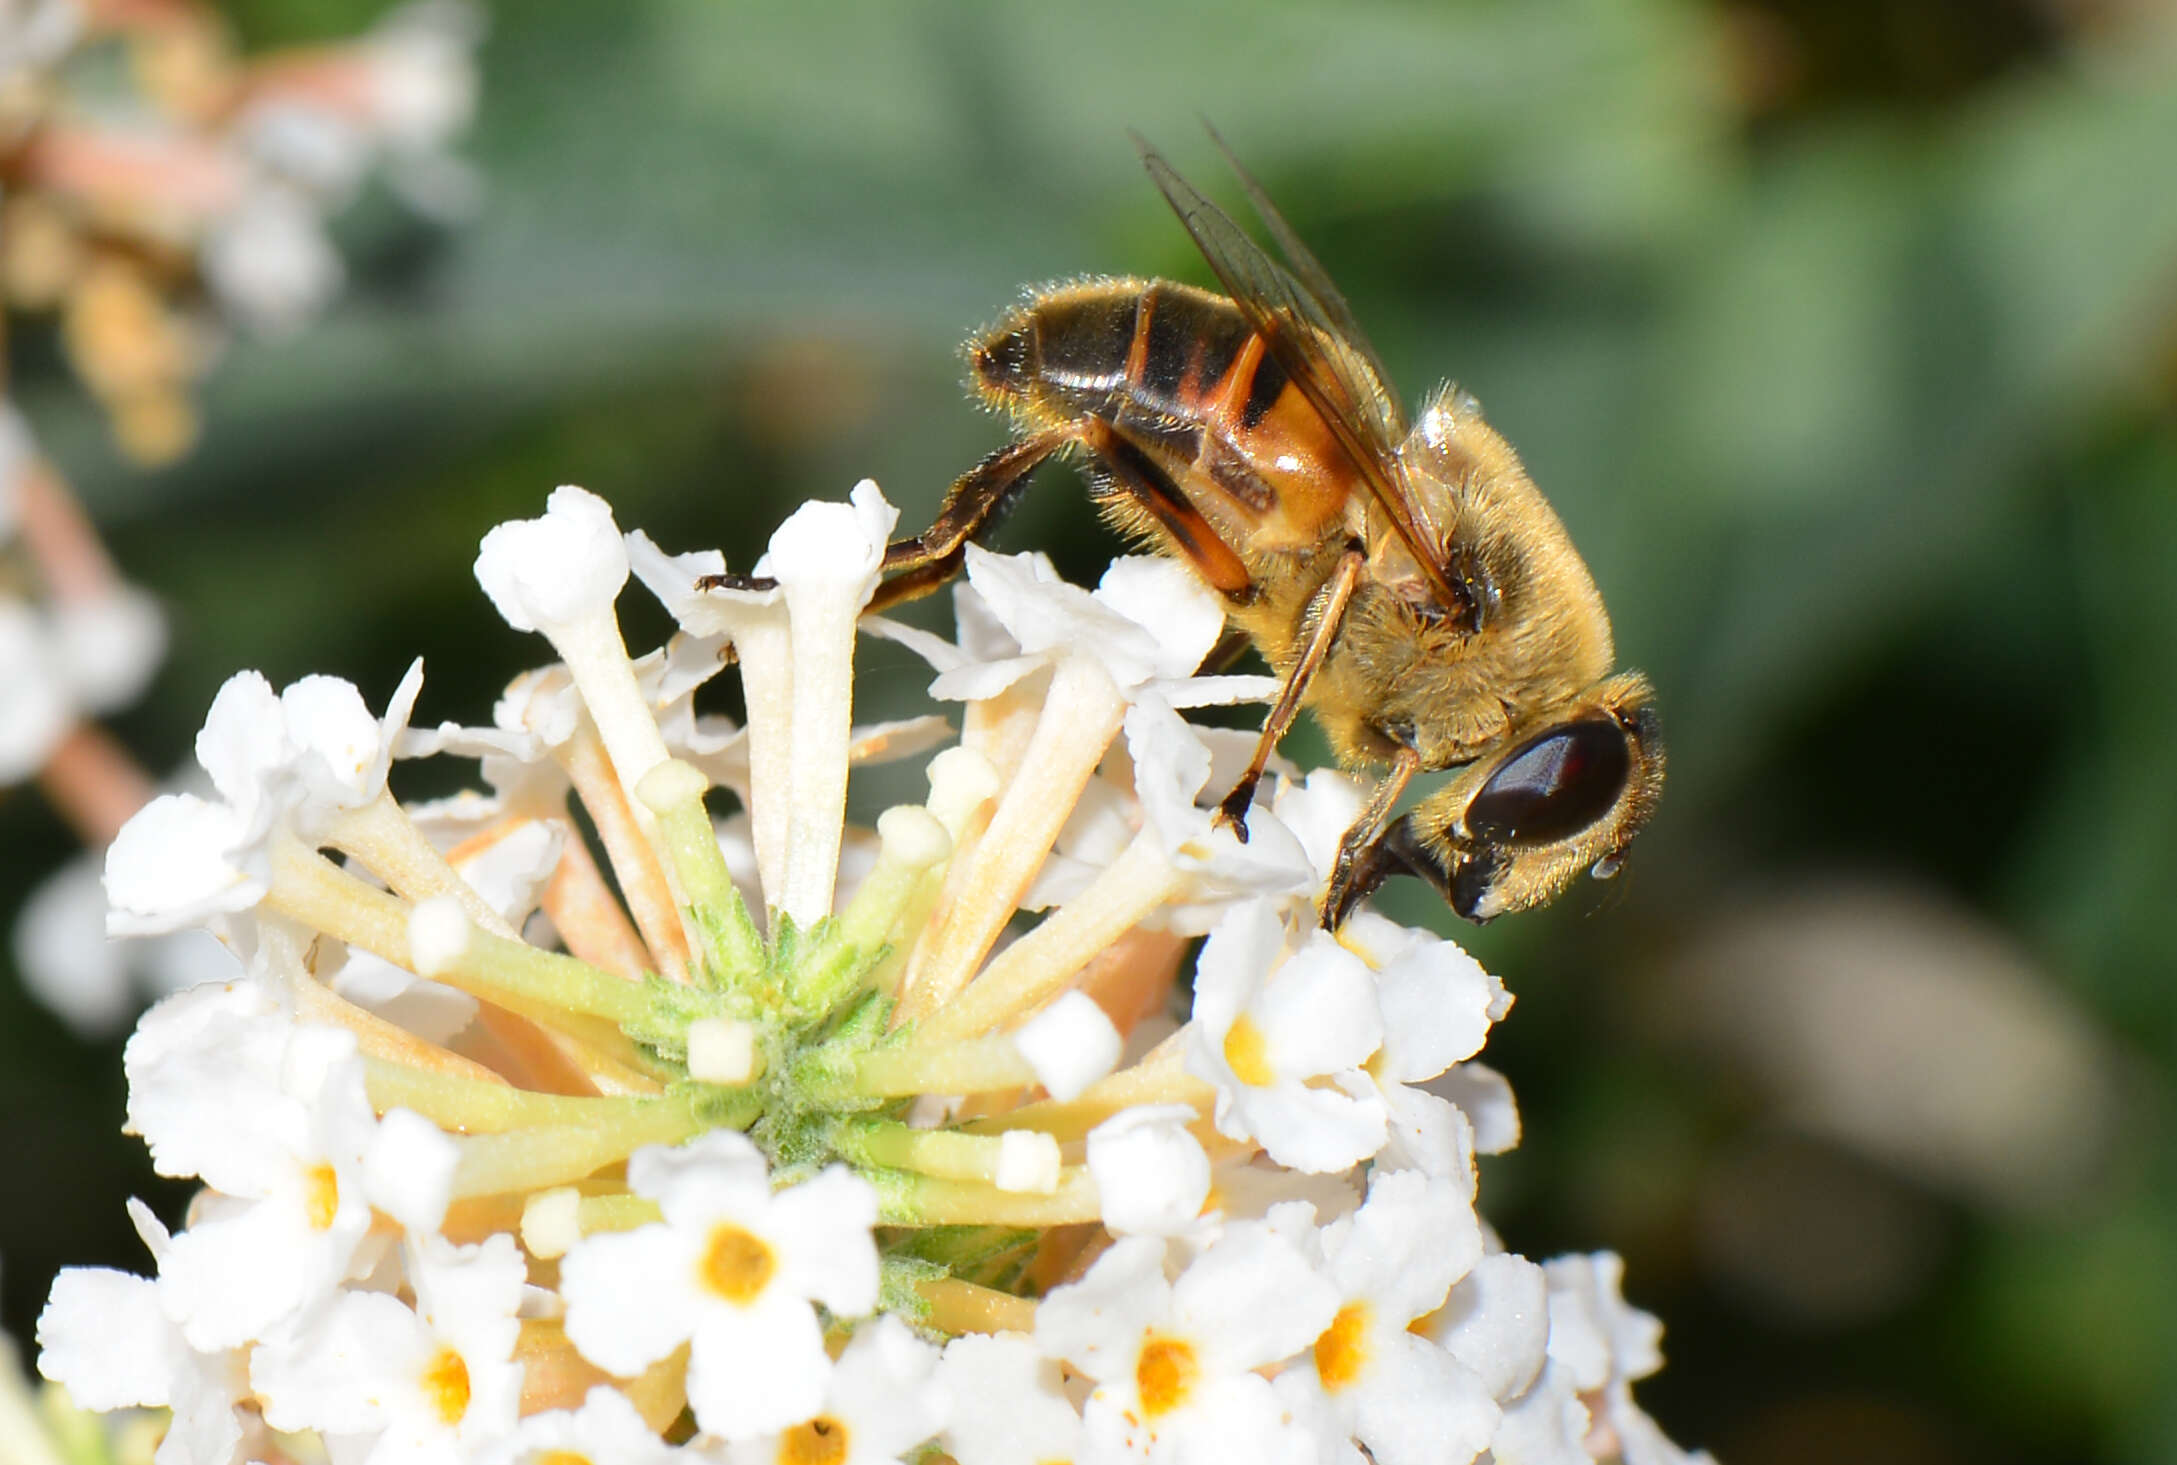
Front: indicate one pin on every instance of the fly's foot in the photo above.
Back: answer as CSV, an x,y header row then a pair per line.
x,y
731,581
1232,811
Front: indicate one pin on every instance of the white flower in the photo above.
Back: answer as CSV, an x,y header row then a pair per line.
x,y
432,1383
880,1403
98,985
796,647
299,758
270,262
178,862
562,568
1408,1400
1594,1333
108,645
423,72
1437,1004
1148,624
1009,1402
1152,1177
1283,1037
606,1430
1602,1345
1548,1425
1172,766
733,1269
306,755
104,1337
1174,1362
1070,1044
1497,1322
273,1117
35,708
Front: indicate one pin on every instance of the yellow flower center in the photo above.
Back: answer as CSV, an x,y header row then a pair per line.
x,y
737,1265
1247,1053
446,1385
563,1457
1165,1375
1341,1354
822,1441
320,1196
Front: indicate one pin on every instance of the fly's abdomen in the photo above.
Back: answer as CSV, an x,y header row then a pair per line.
x,y
1123,350
1180,374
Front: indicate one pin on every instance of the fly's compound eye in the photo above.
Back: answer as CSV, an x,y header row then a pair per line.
x,y
1555,785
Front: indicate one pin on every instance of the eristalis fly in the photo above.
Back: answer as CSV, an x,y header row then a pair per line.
x,y
1410,585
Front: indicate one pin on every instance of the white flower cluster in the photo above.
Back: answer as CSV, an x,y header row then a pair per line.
x,y
789,1143
148,159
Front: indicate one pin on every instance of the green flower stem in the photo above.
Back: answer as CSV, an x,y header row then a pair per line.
x,y
475,1106
673,792
559,1154
311,889
914,845
905,1199
946,1154
977,1066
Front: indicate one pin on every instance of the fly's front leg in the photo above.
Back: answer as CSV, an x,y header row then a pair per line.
x,y
915,567
1335,596
1363,856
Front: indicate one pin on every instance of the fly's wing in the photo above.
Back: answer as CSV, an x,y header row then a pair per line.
x,y
1295,326
1315,283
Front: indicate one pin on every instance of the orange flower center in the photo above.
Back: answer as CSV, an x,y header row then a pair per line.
x,y
320,1195
822,1441
1165,1375
1247,1053
737,1265
1341,1354
446,1385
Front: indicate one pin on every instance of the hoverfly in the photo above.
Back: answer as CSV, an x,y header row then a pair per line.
x,y
1409,584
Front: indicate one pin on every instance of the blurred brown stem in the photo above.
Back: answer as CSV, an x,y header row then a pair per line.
x,y
94,783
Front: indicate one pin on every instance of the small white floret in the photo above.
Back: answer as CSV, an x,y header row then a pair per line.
x,y
760,1261
173,864
34,708
552,1222
1008,1402
108,646
408,1170
438,934
913,837
1070,1044
670,785
563,567
722,1050
1152,1176
1028,1162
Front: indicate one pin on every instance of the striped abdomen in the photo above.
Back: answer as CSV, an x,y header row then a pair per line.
x,y
1180,375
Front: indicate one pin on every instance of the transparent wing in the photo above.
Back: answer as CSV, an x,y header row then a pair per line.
x,y
1315,282
1346,391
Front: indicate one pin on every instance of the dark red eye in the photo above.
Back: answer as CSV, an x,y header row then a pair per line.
x,y
1555,785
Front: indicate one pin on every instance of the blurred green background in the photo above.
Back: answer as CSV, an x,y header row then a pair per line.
x,y
1844,337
